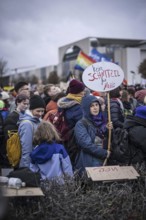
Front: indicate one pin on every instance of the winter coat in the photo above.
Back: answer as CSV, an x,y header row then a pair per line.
x,y
117,112
51,160
91,151
72,108
51,108
137,133
27,126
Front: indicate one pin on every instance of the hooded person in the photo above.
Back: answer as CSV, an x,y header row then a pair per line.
x,y
91,137
71,103
28,123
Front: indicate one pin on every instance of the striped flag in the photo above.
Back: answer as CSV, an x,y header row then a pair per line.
x,y
83,61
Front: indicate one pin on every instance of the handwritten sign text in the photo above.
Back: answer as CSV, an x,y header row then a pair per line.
x,y
103,76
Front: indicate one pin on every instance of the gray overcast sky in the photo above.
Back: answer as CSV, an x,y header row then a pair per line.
x,y
31,31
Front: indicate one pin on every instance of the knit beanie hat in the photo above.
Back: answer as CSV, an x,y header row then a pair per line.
x,y
141,112
76,87
36,102
140,95
2,104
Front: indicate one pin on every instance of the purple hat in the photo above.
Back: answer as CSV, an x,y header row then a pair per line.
x,y
76,87
141,112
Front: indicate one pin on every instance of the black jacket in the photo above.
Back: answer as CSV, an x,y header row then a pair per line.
x,y
137,132
117,113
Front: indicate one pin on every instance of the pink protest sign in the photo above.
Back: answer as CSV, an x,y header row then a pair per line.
x,y
103,76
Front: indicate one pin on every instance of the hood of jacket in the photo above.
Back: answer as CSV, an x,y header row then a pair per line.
x,y
86,103
65,103
45,151
28,116
132,121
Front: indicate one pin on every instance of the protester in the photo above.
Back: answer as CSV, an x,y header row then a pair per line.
x,y
20,88
116,108
125,98
27,126
10,124
140,96
136,126
5,98
70,104
22,103
91,134
52,107
49,157
55,94
50,90
133,101
39,90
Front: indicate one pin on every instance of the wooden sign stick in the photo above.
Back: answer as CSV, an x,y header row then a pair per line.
x,y
109,130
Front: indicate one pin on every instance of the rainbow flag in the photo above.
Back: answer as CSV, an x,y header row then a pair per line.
x,y
83,61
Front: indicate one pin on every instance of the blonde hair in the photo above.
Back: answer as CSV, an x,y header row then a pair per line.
x,y
45,132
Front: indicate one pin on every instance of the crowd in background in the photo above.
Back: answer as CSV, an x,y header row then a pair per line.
x,y
29,111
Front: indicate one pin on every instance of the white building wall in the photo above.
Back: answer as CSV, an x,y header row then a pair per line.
x,y
120,58
133,60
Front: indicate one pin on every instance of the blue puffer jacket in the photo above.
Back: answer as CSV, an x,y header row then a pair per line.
x,y
27,126
91,154
73,111
51,160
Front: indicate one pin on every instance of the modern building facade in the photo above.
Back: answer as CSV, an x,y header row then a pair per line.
x,y
125,52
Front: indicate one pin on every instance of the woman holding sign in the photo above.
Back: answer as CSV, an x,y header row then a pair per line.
x,y
91,135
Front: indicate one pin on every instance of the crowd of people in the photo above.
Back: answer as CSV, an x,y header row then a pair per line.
x,y
85,111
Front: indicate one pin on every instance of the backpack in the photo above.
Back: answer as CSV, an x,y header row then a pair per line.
x,y
60,123
71,145
13,147
120,150
31,179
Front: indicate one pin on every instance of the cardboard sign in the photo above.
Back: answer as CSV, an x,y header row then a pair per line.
x,y
103,76
26,191
106,173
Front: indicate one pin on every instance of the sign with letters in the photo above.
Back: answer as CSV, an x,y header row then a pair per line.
x,y
103,76
108,173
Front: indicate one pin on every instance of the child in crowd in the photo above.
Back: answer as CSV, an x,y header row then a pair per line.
x,y
49,157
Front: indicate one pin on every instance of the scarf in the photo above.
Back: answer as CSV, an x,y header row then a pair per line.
x,y
100,123
76,97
